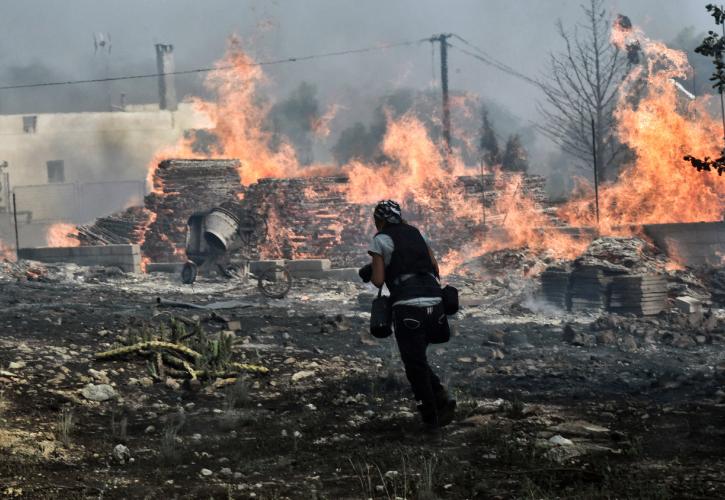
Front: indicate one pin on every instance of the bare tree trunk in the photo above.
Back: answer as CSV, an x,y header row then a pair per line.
x,y
582,86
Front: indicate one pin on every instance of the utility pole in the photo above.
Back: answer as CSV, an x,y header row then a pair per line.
x,y
442,40
15,218
596,173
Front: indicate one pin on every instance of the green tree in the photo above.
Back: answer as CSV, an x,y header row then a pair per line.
x,y
515,158
713,46
489,143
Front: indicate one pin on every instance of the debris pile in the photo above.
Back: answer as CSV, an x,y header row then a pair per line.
x,y
615,255
23,271
673,328
716,282
182,187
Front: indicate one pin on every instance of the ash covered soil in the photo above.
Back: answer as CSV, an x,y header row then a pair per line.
x,y
610,406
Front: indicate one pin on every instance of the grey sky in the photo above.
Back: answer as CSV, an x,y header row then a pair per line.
x,y
43,39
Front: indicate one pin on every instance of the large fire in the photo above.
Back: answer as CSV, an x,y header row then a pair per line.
x,y
62,234
657,186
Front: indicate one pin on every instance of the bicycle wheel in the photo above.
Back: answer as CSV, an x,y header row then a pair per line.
x,y
275,282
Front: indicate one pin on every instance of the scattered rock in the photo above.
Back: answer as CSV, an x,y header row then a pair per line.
x,y
558,440
577,338
301,375
606,337
628,343
101,392
121,454
580,428
206,472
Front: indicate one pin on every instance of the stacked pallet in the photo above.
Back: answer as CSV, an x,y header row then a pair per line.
x,y
643,295
125,227
182,187
555,287
310,218
589,289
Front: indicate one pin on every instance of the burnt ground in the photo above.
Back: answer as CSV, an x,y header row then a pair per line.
x,y
538,417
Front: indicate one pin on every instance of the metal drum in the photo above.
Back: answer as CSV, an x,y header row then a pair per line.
x,y
220,229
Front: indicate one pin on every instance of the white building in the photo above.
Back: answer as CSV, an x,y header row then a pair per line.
x,y
74,167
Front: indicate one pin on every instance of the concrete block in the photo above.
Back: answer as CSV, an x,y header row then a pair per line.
x,y
257,267
688,305
127,257
308,265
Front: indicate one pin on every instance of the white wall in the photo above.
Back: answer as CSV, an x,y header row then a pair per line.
x,y
105,146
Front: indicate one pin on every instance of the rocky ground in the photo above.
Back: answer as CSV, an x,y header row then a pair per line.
x,y
551,405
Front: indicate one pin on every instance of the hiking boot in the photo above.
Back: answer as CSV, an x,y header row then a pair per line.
x,y
446,413
445,407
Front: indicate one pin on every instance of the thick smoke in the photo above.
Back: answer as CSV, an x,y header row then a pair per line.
x,y
44,39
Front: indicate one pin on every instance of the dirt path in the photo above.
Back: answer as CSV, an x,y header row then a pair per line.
x,y
539,417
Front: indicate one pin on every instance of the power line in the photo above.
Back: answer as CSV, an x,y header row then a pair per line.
x,y
217,68
486,58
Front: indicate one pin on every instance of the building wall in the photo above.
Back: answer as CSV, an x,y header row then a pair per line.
x,y
691,244
106,146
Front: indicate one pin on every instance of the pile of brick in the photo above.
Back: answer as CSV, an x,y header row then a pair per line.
x,y
307,217
182,187
310,217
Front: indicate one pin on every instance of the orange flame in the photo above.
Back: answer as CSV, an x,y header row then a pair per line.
x,y
6,252
321,125
657,186
62,234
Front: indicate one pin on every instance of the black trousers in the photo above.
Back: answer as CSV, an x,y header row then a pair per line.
x,y
415,327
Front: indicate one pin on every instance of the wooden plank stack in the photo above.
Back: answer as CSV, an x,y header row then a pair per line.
x,y
588,289
643,295
120,228
310,217
555,286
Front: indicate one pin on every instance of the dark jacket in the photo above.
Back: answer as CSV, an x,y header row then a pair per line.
x,y
410,273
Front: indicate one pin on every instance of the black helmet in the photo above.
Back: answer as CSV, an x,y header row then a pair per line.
x,y
389,211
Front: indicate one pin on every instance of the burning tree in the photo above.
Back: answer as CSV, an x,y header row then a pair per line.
x,y
582,88
713,46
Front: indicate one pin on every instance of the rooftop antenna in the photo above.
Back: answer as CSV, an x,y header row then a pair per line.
x,y
102,44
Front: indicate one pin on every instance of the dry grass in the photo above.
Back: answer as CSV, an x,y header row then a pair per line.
x,y
65,426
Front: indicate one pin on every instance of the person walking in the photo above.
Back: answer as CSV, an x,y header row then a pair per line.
x,y
404,262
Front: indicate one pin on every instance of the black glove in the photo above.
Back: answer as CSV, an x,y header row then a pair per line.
x,y
366,273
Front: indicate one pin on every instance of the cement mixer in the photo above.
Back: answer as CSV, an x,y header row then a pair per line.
x,y
222,240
